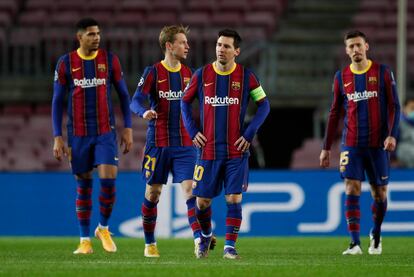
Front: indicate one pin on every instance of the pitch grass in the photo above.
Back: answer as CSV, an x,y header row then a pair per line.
x,y
279,256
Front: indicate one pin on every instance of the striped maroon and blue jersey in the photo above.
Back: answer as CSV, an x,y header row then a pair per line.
x,y
88,81
164,87
370,105
223,99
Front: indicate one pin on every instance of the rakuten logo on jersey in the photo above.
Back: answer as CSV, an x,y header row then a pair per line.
x,y
170,95
89,83
359,96
221,101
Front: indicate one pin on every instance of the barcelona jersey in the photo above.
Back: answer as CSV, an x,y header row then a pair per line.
x,y
164,87
223,99
89,80
370,104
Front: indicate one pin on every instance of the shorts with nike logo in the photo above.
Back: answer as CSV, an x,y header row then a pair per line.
x,y
87,152
356,161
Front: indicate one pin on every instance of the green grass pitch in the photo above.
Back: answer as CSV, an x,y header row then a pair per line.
x,y
278,256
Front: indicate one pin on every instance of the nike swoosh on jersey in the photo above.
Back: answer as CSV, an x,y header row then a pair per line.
x,y
347,84
162,81
208,84
76,69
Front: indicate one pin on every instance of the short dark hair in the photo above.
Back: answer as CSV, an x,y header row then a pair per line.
x,y
84,23
232,34
408,100
355,34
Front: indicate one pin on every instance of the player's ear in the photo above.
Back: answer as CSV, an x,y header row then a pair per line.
x,y
168,45
237,52
367,46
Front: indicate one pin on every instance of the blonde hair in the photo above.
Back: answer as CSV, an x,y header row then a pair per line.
x,y
168,33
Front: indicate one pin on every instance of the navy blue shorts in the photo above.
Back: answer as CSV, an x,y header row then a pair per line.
x,y
159,161
356,161
211,175
87,152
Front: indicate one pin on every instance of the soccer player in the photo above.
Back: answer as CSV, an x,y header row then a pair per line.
x,y
88,74
223,89
168,146
366,92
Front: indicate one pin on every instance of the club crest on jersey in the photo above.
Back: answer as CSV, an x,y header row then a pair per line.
x,y
372,80
186,80
235,85
101,67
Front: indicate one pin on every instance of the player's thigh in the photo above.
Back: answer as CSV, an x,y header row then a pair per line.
x,y
156,165
236,175
377,166
208,178
81,154
351,163
182,163
106,149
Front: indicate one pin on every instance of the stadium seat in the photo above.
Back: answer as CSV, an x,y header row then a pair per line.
x,y
166,6
36,18
265,20
43,5
273,6
141,6
368,19
161,19
201,6
5,19
9,6
227,19
241,6
17,110
195,19
67,18
133,19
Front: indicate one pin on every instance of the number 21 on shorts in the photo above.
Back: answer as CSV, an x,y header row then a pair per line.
x,y
149,165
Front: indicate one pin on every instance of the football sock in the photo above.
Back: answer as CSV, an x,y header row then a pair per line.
x,y
106,200
84,205
204,218
352,215
149,219
378,209
233,222
192,219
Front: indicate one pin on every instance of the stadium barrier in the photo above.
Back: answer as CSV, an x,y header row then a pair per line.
x,y
278,203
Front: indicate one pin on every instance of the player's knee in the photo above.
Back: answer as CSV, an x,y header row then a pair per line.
x,y
379,193
152,193
352,187
187,189
203,203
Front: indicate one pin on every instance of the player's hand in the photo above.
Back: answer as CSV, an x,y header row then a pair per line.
x,y
324,158
150,114
390,143
126,139
59,148
199,140
242,144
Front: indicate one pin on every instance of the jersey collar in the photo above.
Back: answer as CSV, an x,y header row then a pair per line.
x,y
176,69
91,57
228,72
361,71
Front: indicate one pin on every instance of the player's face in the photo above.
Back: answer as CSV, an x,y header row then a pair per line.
x,y
356,49
179,48
90,38
225,50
